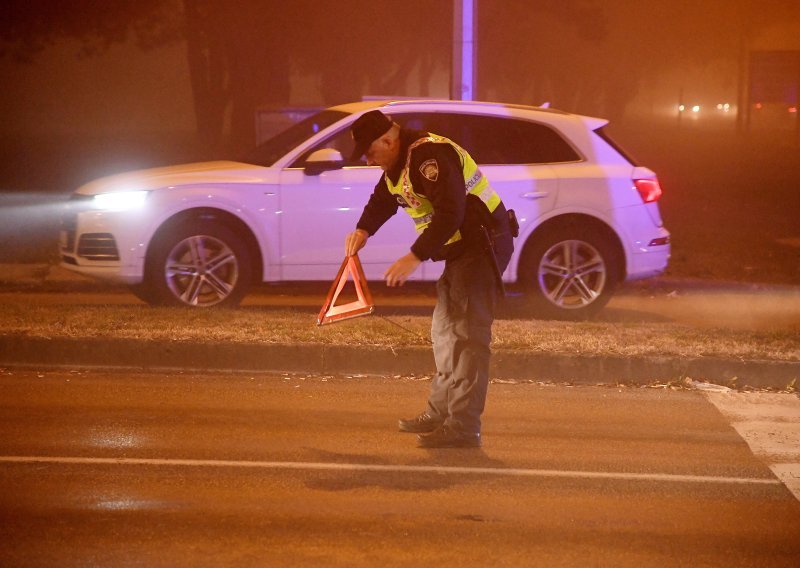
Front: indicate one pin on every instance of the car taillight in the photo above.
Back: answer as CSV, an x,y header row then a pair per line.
x,y
649,189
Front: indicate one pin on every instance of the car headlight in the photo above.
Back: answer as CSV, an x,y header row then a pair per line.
x,y
119,201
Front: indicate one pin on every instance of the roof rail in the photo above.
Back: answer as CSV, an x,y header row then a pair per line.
x,y
407,101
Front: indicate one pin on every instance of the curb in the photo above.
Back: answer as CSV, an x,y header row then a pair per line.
x,y
344,359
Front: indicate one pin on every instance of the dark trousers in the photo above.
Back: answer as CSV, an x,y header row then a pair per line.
x,y
461,332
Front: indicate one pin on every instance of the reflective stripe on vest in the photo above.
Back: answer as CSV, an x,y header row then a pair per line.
x,y
420,208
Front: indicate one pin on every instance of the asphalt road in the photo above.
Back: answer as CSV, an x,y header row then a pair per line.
x,y
238,470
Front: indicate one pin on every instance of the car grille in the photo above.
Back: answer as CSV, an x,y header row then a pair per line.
x,y
98,246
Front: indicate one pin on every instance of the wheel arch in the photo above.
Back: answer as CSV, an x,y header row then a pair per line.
x,y
227,219
584,221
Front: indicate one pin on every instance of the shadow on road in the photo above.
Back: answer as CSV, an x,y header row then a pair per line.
x,y
327,480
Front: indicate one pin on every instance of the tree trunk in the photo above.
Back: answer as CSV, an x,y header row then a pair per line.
x,y
257,61
207,75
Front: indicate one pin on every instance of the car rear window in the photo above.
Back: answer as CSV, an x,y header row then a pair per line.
x,y
495,140
603,133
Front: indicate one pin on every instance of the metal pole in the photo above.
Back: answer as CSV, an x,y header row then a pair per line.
x,y
463,78
797,104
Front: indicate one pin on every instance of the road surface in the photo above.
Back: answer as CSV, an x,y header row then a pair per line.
x,y
118,469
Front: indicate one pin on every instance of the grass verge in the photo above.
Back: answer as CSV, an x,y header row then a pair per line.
x,y
264,326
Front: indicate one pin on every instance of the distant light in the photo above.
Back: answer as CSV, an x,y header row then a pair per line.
x,y
726,107
315,128
681,108
759,106
719,106
696,108
793,109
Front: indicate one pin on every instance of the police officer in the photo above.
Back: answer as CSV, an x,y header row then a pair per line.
x,y
461,220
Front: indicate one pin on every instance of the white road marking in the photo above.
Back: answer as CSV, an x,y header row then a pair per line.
x,y
513,472
770,424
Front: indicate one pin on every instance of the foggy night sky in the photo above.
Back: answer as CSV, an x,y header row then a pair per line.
x,y
124,89
624,60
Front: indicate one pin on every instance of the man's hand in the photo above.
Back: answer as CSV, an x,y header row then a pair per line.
x,y
355,241
398,273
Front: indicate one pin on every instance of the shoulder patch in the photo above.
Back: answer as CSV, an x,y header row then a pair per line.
x,y
430,169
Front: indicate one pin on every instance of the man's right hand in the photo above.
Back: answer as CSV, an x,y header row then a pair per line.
x,y
355,241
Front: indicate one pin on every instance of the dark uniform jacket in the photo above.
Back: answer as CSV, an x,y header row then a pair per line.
x,y
452,208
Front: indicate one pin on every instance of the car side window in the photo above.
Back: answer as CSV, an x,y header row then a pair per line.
x,y
495,140
341,141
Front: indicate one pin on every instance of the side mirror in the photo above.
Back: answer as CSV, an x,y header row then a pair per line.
x,y
323,160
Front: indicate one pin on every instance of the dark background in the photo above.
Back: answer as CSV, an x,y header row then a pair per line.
x,y
96,87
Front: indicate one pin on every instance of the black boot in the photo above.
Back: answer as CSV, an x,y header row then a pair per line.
x,y
420,425
447,437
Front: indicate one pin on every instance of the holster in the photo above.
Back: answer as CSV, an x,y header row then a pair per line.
x,y
477,215
488,247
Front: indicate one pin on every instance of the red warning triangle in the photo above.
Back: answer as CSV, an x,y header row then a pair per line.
x,y
330,312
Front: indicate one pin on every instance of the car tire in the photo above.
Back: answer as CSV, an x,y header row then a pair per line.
x,y
569,273
198,264
143,292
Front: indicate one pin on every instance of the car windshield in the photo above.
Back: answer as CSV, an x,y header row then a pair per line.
x,y
268,152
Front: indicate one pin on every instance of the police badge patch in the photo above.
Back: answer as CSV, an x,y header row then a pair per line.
x,y
430,169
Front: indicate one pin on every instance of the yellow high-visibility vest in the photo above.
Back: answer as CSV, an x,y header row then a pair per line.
x,y
419,207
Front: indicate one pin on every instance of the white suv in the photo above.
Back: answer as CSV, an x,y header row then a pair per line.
x,y
200,234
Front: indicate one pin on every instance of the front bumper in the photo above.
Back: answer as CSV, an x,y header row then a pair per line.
x,y
97,243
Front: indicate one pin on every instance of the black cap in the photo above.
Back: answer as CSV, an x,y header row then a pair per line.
x,y
366,129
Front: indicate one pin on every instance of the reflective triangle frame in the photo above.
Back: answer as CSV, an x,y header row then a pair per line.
x,y
330,312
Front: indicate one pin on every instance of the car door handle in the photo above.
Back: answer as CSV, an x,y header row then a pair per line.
x,y
535,194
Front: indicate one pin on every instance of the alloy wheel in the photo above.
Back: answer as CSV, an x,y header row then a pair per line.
x,y
201,271
572,274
